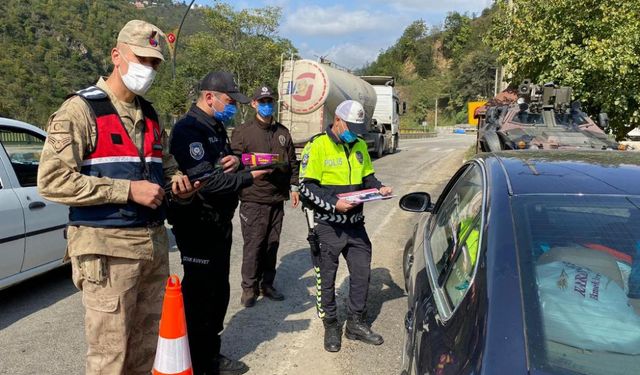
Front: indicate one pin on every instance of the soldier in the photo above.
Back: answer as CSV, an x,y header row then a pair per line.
x,y
262,207
335,162
203,227
106,157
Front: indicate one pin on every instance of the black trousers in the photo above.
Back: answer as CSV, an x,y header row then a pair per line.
x,y
261,225
354,244
205,250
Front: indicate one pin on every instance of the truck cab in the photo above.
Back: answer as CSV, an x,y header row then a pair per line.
x,y
385,124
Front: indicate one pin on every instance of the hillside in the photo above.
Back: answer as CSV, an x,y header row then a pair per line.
x,y
449,62
50,51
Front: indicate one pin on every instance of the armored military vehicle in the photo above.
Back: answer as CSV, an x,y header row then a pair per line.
x,y
539,117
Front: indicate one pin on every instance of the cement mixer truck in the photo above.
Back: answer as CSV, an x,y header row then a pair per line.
x,y
311,91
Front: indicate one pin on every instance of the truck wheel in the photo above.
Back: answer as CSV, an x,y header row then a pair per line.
x,y
394,145
379,148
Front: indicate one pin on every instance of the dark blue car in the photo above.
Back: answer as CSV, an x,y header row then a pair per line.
x,y
528,263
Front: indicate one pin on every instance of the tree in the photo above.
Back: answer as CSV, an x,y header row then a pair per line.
x,y
457,31
590,45
243,42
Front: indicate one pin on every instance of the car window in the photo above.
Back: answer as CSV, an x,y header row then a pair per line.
x,y
23,149
580,273
455,220
458,278
528,118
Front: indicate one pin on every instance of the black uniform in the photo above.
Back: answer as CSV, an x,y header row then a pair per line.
x,y
262,208
203,230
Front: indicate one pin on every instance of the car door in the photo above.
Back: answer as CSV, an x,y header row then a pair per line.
x,y
448,306
11,223
44,221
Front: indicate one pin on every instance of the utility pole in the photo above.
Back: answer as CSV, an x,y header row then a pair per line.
x,y
435,122
174,49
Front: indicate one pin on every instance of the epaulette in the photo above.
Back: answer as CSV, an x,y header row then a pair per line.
x,y
90,93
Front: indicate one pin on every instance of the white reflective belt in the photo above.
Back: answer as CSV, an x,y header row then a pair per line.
x,y
172,355
120,159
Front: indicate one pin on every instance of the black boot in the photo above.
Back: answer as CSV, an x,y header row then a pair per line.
x,y
332,335
358,329
227,366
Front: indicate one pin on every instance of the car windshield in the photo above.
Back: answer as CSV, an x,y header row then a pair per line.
x,y
562,119
580,272
528,118
570,119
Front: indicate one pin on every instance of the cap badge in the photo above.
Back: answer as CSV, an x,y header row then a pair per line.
x,y
265,90
152,40
360,115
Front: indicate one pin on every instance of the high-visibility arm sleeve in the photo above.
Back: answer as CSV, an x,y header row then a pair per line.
x,y
320,197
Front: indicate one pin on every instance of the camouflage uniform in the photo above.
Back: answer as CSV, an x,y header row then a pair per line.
x,y
121,271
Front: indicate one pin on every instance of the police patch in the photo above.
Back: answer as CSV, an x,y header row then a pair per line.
x,y
359,156
305,160
196,150
282,140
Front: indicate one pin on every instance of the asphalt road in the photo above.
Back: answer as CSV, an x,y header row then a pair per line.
x,y
41,320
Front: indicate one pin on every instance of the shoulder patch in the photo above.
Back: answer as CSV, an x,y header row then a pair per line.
x,y
196,150
59,141
282,139
359,156
305,161
92,93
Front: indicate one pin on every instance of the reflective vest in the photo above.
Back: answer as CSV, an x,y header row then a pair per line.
x,y
338,167
116,156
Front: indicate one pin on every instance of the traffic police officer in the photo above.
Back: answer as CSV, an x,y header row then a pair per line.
x,y
335,162
106,157
203,227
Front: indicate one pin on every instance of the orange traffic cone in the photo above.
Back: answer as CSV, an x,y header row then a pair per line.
x,y
172,354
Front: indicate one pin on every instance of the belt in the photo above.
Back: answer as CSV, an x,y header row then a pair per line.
x,y
339,218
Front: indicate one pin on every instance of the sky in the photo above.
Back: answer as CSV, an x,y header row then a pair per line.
x,y
352,33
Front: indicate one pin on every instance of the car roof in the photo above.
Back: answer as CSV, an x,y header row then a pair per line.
x,y
570,172
7,122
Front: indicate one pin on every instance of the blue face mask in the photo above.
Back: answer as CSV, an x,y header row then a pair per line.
x,y
227,113
348,136
265,109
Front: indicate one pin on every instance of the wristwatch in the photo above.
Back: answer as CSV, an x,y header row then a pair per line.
x,y
294,188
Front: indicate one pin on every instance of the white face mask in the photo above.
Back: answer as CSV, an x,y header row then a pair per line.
x,y
139,78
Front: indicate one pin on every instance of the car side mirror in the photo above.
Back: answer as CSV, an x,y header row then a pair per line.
x,y
416,202
404,107
603,121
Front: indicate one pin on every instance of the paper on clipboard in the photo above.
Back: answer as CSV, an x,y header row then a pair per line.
x,y
362,196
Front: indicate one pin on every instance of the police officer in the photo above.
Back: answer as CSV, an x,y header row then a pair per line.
x,y
106,157
203,227
335,162
262,207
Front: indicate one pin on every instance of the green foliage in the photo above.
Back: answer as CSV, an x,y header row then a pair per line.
x,y
453,65
52,48
457,31
591,45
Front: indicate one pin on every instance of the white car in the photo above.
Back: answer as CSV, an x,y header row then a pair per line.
x,y
31,228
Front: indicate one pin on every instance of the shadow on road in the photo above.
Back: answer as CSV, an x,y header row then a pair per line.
x,y
382,288
250,327
35,294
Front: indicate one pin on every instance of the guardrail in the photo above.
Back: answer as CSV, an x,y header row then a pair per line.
x,y
416,134
16,138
